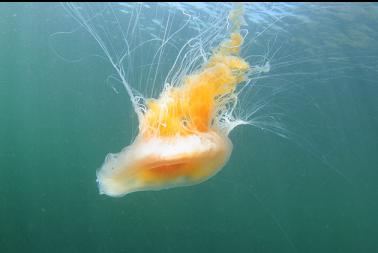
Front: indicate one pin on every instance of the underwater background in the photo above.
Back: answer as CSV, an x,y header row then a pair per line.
x,y
303,182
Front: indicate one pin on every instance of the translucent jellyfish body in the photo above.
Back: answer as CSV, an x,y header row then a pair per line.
x,y
183,134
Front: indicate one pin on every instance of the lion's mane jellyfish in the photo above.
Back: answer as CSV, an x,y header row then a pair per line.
x,y
183,134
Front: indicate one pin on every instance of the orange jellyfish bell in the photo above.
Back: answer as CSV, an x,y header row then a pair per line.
x,y
183,135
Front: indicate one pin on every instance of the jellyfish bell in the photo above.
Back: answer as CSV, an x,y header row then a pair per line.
x,y
162,163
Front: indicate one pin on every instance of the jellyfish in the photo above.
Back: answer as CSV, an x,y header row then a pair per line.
x,y
183,134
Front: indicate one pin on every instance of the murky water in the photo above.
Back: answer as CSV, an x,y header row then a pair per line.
x,y
304,179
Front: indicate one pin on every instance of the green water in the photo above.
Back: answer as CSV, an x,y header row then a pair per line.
x,y
314,192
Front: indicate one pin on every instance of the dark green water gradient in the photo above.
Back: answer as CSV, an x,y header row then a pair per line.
x,y
58,119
